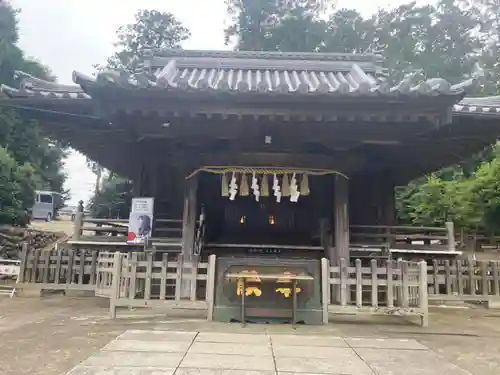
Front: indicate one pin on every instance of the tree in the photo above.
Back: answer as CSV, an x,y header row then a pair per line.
x,y
439,40
272,25
29,159
442,40
16,188
152,29
113,200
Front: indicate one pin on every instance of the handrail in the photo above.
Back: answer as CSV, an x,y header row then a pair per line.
x,y
388,235
111,221
401,227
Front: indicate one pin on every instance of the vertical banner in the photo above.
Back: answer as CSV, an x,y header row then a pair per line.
x,y
140,222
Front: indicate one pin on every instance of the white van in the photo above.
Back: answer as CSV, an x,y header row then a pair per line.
x,y
45,205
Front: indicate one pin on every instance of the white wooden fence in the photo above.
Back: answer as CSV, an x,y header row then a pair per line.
x,y
465,280
137,280
9,271
396,288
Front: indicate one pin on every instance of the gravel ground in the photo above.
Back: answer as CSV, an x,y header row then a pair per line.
x,y
50,336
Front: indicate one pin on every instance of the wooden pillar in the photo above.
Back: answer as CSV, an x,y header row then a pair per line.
x,y
341,220
188,231
137,182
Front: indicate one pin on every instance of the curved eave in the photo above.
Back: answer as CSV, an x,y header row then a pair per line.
x,y
355,83
482,107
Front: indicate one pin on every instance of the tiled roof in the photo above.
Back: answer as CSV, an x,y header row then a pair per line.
x,y
489,105
34,87
265,73
270,73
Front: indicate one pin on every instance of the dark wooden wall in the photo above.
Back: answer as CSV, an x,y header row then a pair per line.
x,y
372,200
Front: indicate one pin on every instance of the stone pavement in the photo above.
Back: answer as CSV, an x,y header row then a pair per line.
x,y
145,352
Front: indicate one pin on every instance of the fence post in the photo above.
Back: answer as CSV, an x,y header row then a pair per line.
x,y
115,283
210,296
359,284
194,277
24,263
77,227
344,275
405,295
450,229
496,286
325,287
390,287
422,294
374,271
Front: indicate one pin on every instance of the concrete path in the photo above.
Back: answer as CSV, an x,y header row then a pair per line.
x,y
143,352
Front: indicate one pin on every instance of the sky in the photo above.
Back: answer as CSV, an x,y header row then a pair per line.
x,y
68,35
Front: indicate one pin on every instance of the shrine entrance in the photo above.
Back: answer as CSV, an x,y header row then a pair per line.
x,y
275,209
267,225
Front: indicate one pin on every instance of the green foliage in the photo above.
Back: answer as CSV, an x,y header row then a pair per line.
x,y
113,200
28,159
442,40
16,188
151,30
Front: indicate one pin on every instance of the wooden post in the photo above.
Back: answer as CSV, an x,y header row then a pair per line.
x,y
77,226
57,273
325,287
435,273
472,277
344,275
178,277
374,270
450,230
194,275
164,275
460,281
149,276
390,288
405,295
496,286
447,276
210,296
46,266
359,284
134,259
188,233
341,226
341,219
422,294
115,284
24,263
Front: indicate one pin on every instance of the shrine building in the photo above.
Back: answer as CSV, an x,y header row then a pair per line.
x,y
281,154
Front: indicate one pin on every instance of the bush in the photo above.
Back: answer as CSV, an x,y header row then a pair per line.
x,y
17,185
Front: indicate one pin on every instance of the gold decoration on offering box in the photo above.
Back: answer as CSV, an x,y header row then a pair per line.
x,y
250,290
287,292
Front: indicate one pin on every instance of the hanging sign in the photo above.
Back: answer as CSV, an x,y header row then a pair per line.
x,y
140,222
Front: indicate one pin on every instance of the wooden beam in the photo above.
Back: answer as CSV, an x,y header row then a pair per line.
x,y
342,162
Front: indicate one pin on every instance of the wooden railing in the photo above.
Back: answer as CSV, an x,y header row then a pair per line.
x,y
137,280
464,280
79,270
57,270
478,241
388,239
119,227
396,288
155,279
